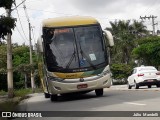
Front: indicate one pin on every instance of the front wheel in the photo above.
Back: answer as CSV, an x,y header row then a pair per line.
x,y
99,92
158,85
53,97
149,86
46,95
136,85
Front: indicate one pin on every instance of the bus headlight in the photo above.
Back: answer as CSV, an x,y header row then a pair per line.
x,y
55,79
105,73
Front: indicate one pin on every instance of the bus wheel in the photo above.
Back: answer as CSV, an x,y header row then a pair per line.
x,y
99,92
46,95
158,85
53,97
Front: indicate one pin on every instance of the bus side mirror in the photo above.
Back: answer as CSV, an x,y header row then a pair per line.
x,y
108,37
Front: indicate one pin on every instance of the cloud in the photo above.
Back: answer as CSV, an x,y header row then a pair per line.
x,y
111,6
103,10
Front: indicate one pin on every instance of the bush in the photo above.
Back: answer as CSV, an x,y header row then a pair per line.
x,y
120,73
22,92
3,92
119,81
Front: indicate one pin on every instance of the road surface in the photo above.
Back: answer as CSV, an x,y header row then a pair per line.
x,y
116,98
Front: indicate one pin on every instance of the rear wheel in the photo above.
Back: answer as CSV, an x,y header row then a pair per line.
x,y
46,95
149,86
53,97
129,86
99,92
136,85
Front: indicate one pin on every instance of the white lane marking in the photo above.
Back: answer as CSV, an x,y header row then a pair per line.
x,y
132,103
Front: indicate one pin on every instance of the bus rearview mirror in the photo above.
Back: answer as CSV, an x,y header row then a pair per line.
x,y
108,37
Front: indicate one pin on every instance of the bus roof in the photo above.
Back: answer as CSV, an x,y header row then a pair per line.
x,y
69,21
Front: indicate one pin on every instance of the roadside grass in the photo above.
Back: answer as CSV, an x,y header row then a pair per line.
x,y
10,104
2,92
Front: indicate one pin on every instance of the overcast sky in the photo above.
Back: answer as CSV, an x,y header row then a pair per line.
x,y
103,10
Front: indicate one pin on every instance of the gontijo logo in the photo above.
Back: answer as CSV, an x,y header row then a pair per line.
x,y
20,114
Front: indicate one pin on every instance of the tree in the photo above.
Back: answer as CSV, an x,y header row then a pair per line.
x,y
139,29
7,24
120,72
3,66
148,50
3,59
21,65
125,33
21,61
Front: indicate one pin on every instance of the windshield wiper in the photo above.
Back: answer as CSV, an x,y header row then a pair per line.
x,y
88,60
71,59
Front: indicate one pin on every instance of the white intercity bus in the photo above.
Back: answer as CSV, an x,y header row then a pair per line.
x,y
74,56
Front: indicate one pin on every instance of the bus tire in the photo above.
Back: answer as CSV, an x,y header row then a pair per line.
x,y
53,97
99,92
149,86
158,85
46,95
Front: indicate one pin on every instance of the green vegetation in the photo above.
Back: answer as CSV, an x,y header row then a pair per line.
x,y
120,73
132,42
125,34
7,24
21,65
11,104
148,51
2,92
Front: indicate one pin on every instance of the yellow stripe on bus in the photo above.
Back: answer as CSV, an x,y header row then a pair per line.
x,y
69,21
69,75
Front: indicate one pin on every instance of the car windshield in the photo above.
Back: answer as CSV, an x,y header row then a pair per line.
x,y
71,48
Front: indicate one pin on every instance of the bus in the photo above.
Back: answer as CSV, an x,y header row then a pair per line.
x,y
74,56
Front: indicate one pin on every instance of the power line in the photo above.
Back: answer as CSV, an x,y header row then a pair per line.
x,y
24,7
48,11
153,21
67,14
20,34
18,5
20,22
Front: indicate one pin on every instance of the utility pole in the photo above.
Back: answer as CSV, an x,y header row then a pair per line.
x,y
31,61
30,49
9,61
153,22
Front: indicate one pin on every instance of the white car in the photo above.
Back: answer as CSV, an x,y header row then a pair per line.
x,y
144,76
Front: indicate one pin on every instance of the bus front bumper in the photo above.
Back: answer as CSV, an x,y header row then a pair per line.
x,y
87,85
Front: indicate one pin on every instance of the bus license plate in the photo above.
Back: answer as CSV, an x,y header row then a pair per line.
x,y
82,86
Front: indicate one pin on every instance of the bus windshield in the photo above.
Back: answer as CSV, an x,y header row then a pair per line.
x,y
73,48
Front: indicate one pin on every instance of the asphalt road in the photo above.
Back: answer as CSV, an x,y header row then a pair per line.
x,y
116,98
